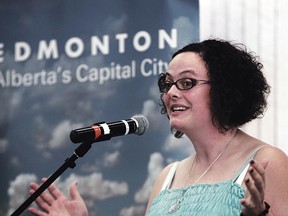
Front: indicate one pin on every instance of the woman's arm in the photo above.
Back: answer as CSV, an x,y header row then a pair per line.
x,y
267,181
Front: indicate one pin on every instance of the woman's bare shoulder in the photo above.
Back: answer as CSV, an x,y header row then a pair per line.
x,y
272,154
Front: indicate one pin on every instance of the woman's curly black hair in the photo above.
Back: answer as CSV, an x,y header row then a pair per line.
x,y
239,89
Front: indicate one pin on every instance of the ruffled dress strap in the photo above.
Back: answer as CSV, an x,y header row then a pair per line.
x,y
239,177
170,176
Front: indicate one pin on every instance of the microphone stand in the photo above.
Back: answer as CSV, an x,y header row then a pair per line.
x,y
80,151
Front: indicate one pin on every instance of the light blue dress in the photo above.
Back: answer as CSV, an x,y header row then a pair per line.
x,y
217,199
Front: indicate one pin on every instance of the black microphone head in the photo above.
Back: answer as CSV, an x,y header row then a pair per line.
x,y
143,124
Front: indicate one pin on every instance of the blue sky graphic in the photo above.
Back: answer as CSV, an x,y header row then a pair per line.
x,y
116,176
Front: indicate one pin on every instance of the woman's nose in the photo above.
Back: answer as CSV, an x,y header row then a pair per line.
x,y
173,92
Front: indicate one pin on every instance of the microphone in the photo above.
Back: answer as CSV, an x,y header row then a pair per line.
x,y
102,131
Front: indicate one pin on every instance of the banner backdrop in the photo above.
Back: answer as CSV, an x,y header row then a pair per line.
x,y
69,64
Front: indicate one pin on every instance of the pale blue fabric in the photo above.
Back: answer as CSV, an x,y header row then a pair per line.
x,y
217,199
220,199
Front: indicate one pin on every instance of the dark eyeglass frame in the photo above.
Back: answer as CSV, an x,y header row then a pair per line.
x,y
181,84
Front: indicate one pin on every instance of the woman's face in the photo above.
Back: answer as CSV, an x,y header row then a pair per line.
x,y
188,109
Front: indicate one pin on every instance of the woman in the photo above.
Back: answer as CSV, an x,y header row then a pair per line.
x,y
210,89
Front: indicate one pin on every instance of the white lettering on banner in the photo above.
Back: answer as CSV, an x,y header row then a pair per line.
x,y
96,43
66,77
79,47
75,47
14,79
164,37
121,41
46,78
84,73
153,66
22,51
147,41
48,51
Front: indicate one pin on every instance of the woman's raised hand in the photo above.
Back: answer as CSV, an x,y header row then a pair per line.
x,y
55,203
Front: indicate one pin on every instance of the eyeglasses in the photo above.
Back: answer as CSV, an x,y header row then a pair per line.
x,y
182,84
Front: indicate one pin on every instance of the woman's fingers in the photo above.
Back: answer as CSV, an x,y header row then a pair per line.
x,y
255,188
37,212
55,192
53,202
257,177
74,192
46,199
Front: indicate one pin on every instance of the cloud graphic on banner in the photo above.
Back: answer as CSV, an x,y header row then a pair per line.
x,y
60,132
95,187
137,210
182,145
92,187
111,159
185,26
155,165
151,111
102,66
11,105
18,190
116,24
